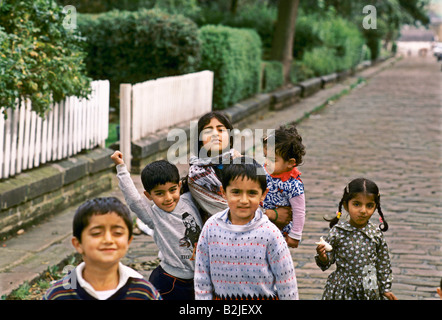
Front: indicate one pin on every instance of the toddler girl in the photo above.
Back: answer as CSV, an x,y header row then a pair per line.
x,y
358,247
283,180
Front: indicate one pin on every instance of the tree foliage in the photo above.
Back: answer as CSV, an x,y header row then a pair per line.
x,y
390,16
40,59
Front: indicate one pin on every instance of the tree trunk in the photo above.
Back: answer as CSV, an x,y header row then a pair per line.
x,y
282,45
233,6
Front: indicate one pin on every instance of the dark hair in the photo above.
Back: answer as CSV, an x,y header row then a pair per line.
x,y
98,206
361,185
205,120
159,172
244,167
288,144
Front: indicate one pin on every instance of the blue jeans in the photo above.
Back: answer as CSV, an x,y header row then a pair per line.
x,y
170,287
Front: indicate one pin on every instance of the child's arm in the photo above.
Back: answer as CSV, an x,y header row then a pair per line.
x,y
383,267
202,279
136,203
282,267
298,218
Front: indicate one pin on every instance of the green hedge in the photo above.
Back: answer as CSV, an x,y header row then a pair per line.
x,y
234,55
131,47
272,75
250,15
327,43
300,72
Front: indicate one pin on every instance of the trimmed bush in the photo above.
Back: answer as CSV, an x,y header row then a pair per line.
x,y
250,15
327,43
321,60
234,55
300,72
131,47
272,75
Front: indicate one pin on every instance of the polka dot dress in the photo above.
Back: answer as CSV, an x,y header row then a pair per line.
x,y
363,270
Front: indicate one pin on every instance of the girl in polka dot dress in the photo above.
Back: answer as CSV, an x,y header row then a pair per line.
x,y
358,247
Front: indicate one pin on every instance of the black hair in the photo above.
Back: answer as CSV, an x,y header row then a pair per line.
x,y
159,172
99,206
361,185
244,167
288,144
205,120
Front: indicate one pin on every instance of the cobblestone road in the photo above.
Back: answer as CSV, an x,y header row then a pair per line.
x,y
388,130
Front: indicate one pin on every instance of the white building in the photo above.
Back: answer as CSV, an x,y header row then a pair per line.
x,y
415,42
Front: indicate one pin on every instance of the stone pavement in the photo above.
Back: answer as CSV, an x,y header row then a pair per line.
x,y
388,129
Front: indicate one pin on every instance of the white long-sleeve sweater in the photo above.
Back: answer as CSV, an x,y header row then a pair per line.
x,y
243,261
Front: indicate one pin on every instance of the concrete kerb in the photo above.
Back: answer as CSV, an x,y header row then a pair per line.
x,y
25,258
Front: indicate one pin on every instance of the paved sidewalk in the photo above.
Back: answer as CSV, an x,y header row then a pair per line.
x,y
390,131
393,123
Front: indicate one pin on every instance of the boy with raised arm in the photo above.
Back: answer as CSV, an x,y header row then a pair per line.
x,y
175,220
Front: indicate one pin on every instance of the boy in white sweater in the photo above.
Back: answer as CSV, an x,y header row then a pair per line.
x,y
175,220
240,253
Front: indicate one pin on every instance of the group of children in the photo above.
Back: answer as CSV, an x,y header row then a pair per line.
x,y
224,230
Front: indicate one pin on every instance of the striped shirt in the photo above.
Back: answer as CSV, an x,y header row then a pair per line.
x,y
72,287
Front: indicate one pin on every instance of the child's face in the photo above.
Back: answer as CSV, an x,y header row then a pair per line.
x,y
361,208
215,137
104,241
243,197
165,196
275,164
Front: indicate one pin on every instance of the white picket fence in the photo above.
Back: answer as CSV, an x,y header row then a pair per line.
x,y
73,125
163,103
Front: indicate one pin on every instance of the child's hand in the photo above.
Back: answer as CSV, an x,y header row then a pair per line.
x,y
236,154
390,296
292,243
284,216
117,157
320,250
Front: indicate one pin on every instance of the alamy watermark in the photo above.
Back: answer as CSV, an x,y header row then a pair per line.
x,y
70,21
70,281
369,21
248,142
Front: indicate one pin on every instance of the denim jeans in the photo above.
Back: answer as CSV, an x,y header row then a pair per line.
x,y
170,287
